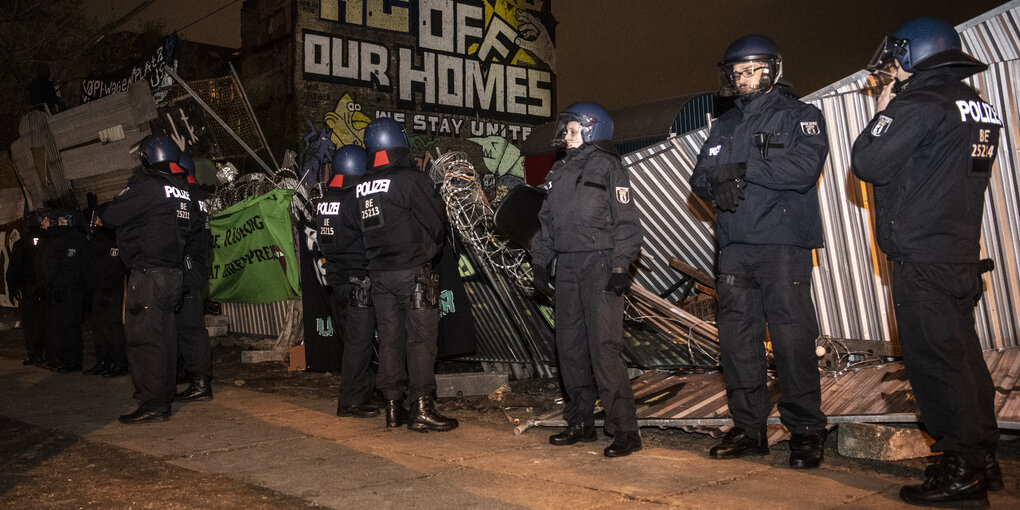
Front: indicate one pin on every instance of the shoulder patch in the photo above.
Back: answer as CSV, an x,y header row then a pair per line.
x,y
881,125
623,195
810,128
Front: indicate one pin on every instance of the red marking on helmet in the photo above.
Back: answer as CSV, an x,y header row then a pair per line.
x,y
381,159
337,182
192,179
175,168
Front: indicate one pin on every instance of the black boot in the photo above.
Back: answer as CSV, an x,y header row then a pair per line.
x,y
573,433
141,416
624,443
736,443
200,388
357,411
425,418
97,369
807,450
953,483
395,415
992,473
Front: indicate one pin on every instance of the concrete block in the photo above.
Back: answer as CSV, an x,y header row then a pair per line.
x,y
216,330
469,383
217,320
883,442
262,356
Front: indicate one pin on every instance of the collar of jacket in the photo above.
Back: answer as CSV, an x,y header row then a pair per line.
x,y
939,75
758,103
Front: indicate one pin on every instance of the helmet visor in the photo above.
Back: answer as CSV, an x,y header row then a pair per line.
x,y
741,77
886,54
584,128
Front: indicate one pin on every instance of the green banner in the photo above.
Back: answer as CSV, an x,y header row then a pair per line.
x,y
253,259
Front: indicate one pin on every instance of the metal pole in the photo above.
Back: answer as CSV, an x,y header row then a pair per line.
x,y
209,110
251,111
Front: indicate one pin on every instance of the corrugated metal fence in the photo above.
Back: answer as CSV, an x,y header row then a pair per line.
x,y
851,279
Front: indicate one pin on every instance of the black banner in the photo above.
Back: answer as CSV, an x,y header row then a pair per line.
x,y
148,68
322,333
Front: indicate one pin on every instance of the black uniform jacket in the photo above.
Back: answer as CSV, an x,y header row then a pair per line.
x,y
929,155
63,255
780,203
152,216
399,215
588,207
344,252
104,268
200,238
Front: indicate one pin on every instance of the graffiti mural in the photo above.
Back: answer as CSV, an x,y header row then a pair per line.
x,y
473,76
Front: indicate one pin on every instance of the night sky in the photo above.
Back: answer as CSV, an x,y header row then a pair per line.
x,y
624,52
621,53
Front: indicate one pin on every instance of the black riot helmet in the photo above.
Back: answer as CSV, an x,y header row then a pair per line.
x,y
188,165
348,160
386,143
159,152
746,57
922,44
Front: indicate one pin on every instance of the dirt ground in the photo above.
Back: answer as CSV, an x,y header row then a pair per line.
x,y
41,468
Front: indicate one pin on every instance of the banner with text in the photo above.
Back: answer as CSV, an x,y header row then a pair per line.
x,y
149,68
253,251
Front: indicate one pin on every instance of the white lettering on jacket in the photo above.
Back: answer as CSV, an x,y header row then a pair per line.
x,y
978,111
328,208
176,193
376,186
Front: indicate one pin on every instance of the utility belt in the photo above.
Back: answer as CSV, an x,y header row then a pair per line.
x,y
426,288
361,293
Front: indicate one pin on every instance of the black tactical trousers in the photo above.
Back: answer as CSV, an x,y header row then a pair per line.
x,y
63,324
111,347
151,330
589,339
357,326
942,354
761,285
407,338
33,321
192,337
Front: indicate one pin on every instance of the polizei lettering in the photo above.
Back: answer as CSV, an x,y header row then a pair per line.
x,y
978,111
176,193
376,186
328,208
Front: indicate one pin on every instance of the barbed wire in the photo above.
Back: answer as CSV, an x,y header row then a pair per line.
x,y
470,212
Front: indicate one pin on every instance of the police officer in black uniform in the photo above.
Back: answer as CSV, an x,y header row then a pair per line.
x,y
153,218
192,337
761,165
21,276
590,230
63,256
928,152
347,274
399,215
104,277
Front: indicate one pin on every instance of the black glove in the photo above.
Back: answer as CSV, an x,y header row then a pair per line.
x,y
727,195
618,283
542,283
727,172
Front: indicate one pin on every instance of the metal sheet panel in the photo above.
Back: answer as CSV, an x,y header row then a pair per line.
x,y
256,319
851,277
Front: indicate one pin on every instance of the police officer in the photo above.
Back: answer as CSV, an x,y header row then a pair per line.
x,y
62,258
192,337
347,274
590,230
928,153
760,165
152,217
104,277
399,215
21,276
